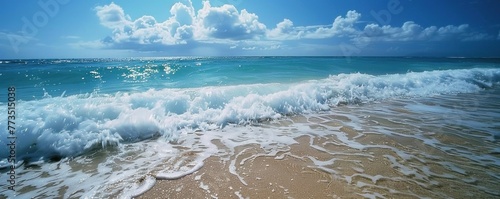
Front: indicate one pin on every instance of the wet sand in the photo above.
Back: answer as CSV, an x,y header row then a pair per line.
x,y
324,166
283,175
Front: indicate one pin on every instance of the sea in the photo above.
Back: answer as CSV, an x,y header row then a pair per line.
x,y
105,128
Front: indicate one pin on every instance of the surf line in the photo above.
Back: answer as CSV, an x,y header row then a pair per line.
x,y
11,128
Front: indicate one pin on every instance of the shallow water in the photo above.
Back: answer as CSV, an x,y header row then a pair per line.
x,y
428,147
390,132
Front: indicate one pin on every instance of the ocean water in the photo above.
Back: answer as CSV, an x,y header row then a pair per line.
x,y
115,126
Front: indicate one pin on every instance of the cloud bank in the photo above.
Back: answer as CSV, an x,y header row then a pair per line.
x,y
226,25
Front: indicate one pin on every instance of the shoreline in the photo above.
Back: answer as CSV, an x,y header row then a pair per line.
x,y
351,152
283,174
334,160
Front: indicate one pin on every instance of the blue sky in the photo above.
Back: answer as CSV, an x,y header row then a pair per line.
x,y
126,28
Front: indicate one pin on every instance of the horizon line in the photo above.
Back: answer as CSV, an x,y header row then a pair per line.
x,y
236,56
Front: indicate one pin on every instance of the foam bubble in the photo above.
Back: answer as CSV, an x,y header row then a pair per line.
x,y
136,190
179,174
71,125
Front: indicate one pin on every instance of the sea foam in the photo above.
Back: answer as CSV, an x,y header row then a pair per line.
x,y
68,126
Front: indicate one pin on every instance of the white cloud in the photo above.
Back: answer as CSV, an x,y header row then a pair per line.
x,y
346,24
284,31
146,30
183,14
410,31
476,37
226,25
209,24
450,29
226,22
112,16
341,26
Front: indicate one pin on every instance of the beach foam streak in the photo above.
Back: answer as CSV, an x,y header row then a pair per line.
x,y
68,126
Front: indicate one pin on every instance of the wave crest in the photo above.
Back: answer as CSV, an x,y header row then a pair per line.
x,y
69,126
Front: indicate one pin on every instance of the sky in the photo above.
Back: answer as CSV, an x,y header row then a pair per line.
x,y
162,28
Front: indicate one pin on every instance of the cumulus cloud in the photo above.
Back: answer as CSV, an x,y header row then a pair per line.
x,y
228,25
412,31
183,14
284,30
345,26
146,30
226,22
476,37
341,26
112,16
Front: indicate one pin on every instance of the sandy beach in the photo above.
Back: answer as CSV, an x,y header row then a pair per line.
x,y
250,99
285,175
324,166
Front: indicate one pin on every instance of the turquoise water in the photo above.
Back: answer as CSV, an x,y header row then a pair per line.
x,y
74,107
36,78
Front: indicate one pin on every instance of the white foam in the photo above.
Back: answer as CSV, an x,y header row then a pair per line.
x,y
232,168
179,174
69,126
137,190
72,125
